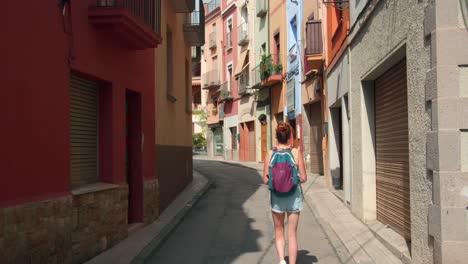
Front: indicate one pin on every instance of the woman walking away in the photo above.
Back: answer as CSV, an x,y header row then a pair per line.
x,y
284,172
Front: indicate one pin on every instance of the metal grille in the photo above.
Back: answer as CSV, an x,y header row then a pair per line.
x,y
392,156
83,131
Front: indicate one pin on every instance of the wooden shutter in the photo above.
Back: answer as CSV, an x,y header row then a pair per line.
x,y
290,95
316,160
392,156
83,131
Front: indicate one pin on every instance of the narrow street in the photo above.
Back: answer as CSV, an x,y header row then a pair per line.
x,y
232,224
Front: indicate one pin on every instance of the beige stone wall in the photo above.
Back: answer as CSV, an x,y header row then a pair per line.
x,y
99,221
150,201
38,232
173,122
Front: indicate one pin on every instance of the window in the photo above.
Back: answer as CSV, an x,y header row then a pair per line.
x,y
84,116
229,76
294,27
170,67
277,48
188,88
229,34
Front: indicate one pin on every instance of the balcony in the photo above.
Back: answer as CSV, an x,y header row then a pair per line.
x,y
314,45
255,80
135,23
212,114
194,26
261,8
229,40
211,80
212,39
212,6
243,34
244,81
271,69
183,6
224,93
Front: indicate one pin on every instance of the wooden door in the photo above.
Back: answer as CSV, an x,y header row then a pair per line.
x,y
263,137
251,140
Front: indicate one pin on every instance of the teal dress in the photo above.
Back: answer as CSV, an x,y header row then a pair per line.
x,y
288,203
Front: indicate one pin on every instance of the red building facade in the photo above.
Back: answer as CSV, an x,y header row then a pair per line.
x,y
58,63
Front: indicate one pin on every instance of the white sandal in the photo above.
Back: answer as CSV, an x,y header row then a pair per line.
x,y
283,262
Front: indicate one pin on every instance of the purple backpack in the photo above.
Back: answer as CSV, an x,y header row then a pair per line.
x,y
283,172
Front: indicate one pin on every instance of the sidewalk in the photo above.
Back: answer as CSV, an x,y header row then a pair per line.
x,y
138,245
354,242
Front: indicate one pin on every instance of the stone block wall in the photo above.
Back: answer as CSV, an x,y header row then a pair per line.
x,y
99,221
38,232
151,201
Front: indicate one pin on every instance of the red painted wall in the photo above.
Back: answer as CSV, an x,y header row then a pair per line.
x,y
230,108
34,139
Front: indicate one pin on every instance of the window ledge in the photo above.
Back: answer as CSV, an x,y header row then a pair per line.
x,y
93,187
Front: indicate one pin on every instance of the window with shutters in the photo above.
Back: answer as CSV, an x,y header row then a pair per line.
x,y
290,94
84,120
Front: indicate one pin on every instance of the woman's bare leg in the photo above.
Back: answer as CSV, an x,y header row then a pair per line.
x,y
278,220
293,220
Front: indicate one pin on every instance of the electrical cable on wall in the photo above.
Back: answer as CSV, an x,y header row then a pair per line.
x,y
65,8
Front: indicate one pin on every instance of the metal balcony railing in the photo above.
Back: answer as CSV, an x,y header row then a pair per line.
x,y
212,39
224,92
146,11
261,8
194,26
255,79
212,5
210,79
229,40
314,42
244,81
243,33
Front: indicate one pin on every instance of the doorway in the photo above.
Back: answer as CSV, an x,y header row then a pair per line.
x,y
133,149
263,137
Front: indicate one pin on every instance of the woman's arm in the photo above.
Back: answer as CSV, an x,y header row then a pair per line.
x,y
302,169
266,169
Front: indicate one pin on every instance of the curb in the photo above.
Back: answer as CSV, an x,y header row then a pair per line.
x,y
172,224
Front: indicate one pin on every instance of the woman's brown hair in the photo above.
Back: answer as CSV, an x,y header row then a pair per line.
x,y
283,132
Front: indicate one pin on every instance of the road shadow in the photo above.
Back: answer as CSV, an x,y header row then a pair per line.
x,y
221,226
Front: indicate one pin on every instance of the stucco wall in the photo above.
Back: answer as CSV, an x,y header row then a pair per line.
x,y
229,122
173,123
338,81
393,24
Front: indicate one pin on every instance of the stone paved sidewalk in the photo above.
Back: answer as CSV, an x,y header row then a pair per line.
x,y
138,245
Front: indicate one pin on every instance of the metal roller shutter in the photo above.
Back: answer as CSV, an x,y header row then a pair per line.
x,y
83,131
392,156
316,160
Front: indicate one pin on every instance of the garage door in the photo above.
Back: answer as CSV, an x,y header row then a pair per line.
x,y
392,158
316,160
83,131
